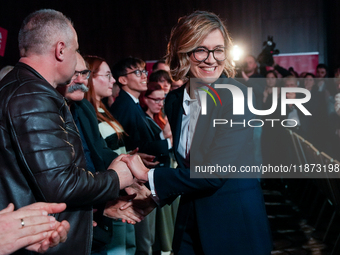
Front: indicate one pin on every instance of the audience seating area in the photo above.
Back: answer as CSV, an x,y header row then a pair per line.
x,y
304,212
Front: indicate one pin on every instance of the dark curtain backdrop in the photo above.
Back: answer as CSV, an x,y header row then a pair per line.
x,y
115,29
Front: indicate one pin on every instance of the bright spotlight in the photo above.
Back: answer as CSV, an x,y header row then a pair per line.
x,y
236,52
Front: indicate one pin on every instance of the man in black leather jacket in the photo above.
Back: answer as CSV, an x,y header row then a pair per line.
x,y
40,150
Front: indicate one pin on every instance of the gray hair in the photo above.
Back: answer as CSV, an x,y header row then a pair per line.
x,y
42,29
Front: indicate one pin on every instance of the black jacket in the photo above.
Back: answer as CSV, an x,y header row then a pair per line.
x,y
226,211
135,124
42,159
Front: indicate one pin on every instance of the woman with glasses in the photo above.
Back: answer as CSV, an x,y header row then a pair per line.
x,y
219,213
100,85
152,102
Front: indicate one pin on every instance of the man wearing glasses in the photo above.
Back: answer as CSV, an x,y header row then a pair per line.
x,y
131,76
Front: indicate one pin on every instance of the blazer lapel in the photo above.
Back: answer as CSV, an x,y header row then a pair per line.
x,y
138,109
176,120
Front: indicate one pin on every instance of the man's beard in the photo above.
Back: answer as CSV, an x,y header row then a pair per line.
x,y
76,87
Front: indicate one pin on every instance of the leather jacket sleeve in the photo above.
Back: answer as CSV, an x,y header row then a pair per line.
x,y
50,150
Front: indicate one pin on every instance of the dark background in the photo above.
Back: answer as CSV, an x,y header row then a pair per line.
x,y
115,29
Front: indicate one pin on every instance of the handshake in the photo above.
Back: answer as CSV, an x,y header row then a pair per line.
x,y
138,203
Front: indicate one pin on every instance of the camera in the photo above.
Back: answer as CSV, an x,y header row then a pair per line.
x,y
265,58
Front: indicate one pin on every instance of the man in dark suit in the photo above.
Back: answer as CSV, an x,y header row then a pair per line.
x,y
131,76
221,215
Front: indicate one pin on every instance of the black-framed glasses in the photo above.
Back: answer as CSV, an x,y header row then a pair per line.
x,y
157,100
108,75
138,73
202,53
85,74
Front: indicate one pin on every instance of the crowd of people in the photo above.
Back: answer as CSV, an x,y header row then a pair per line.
x,y
321,128
105,151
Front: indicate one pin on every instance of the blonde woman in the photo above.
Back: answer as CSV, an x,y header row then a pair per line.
x,y
220,215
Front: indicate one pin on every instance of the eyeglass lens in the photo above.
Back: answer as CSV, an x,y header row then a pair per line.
x,y
202,53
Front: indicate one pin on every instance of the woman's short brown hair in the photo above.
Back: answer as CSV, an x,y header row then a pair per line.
x,y
187,35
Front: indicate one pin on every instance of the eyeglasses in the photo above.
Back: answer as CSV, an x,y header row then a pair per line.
x,y
85,74
157,100
138,73
202,53
108,75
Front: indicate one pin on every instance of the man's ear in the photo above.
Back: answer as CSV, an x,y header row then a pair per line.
x,y
122,80
60,51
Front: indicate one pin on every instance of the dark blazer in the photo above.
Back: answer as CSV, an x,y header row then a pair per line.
x,y
229,213
135,124
164,159
101,157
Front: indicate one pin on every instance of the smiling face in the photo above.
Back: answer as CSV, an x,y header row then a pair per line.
x,y
132,83
103,81
210,69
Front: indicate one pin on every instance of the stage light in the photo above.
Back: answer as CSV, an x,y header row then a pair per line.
x,y
236,52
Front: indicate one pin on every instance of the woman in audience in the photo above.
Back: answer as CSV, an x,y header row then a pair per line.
x,y
100,86
152,102
309,81
163,79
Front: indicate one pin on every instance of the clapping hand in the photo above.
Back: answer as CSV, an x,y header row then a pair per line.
x,y
31,227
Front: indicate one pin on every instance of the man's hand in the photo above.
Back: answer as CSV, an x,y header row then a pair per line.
x,y
136,167
129,215
124,174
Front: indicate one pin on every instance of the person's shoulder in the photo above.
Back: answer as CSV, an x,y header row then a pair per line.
x,y
174,94
85,105
122,99
24,81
